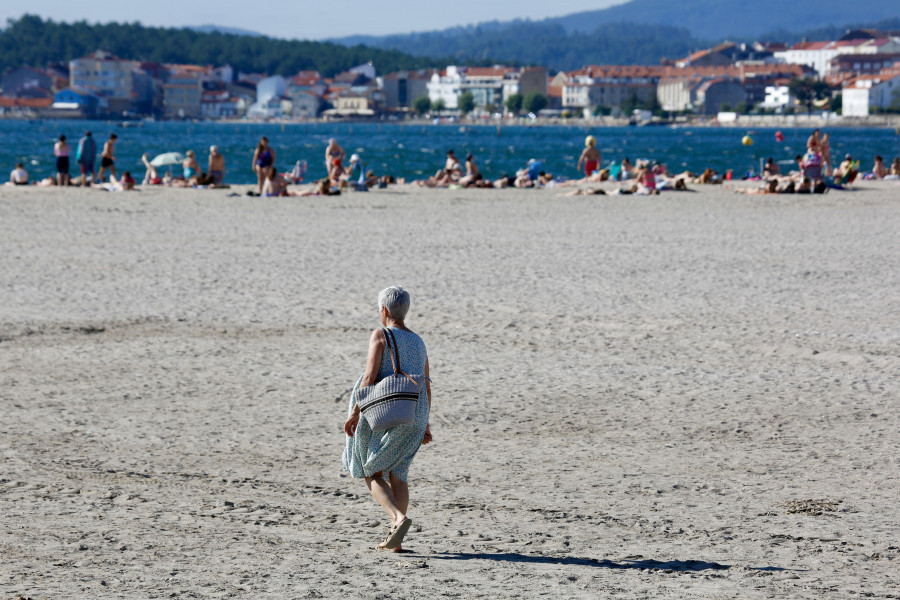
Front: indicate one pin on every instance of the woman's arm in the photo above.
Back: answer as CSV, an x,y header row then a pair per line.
x,y
255,156
427,438
373,360
428,382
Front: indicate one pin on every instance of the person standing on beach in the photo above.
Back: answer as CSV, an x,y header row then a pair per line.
x,y
334,158
383,458
216,169
108,158
825,150
86,155
590,156
61,152
263,162
813,143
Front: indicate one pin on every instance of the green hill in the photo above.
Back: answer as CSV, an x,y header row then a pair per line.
x,y
33,41
719,19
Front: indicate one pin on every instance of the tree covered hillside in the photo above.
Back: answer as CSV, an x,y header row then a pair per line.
x,y
719,19
545,43
33,41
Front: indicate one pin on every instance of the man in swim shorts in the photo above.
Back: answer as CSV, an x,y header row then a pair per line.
x,y
216,166
108,158
590,156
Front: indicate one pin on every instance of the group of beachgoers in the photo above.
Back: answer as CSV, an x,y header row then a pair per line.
x,y
452,175
814,172
339,177
85,155
270,182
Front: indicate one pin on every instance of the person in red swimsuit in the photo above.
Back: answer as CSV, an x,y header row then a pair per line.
x,y
590,156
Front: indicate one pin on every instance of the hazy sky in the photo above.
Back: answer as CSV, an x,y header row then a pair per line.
x,y
303,19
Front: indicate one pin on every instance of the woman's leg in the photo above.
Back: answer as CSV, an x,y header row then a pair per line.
x,y
381,491
400,490
259,178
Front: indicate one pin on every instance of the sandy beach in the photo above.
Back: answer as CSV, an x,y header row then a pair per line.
x,y
693,395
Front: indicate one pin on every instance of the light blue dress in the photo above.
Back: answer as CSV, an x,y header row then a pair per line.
x,y
390,451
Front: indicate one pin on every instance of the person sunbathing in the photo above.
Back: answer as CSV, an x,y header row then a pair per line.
x,y
275,184
585,192
126,183
472,174
151,177
879,171
708,176
322,188
770,187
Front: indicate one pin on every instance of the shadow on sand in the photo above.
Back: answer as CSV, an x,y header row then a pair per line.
x,y
514,557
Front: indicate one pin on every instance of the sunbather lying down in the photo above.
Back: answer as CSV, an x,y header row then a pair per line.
x,y
585,192
785,185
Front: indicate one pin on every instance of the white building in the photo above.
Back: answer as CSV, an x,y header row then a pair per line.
x,y
446,86
269,92
866,92
818,55
777,97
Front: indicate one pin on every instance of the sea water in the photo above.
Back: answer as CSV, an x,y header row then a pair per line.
x,y
416,150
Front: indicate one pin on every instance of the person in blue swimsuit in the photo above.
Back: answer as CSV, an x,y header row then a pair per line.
x,y
191,168
263,162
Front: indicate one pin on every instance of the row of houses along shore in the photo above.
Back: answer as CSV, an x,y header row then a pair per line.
x,y
863,68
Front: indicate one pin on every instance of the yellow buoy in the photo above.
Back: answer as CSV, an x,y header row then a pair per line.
x,y
747,140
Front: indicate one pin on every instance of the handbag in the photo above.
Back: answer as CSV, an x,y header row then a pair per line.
x,y
393,400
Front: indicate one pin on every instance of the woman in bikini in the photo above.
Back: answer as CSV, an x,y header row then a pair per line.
x,y
334,157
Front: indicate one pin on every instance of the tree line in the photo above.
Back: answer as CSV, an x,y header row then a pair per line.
x,y
31,40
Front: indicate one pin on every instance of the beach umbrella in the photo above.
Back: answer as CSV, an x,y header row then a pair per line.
x,y
167,159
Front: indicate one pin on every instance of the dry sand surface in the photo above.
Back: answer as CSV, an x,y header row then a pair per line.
x,y
686,396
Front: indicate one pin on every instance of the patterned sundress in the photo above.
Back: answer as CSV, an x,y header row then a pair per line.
x,y
390,451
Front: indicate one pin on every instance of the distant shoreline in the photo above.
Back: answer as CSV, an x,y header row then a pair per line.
x,y
889,121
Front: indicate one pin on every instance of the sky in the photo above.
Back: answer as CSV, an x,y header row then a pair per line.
x,y
300,20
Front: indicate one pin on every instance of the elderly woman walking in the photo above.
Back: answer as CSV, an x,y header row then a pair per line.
x,y
383,457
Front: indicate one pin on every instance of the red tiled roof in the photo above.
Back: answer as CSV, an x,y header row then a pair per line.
x,y
7,102
307,78
488,71
809,45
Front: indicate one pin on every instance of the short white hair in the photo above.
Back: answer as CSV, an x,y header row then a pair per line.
x,y
396,300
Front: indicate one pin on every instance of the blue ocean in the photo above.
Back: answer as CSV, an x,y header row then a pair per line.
x,y
415,150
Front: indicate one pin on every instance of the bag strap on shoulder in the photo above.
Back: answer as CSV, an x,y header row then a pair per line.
x,y
395,354
392,348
